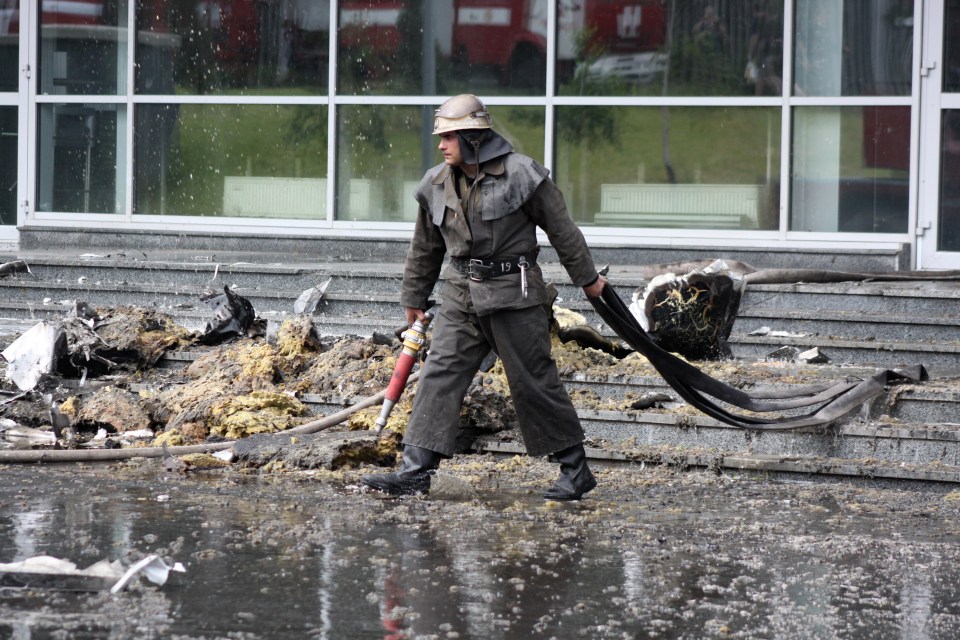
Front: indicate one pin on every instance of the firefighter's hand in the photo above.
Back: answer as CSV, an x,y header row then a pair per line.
x,y
413,314
595,289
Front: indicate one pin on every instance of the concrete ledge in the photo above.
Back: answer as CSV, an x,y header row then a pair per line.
x,y
300,248
768,464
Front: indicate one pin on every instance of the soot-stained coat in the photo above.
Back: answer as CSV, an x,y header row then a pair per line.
x,y
493,218
511,198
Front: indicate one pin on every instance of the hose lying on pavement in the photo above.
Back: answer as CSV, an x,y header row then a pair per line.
x,y
112,455
698,388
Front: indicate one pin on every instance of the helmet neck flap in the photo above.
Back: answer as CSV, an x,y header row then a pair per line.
x,y
481,145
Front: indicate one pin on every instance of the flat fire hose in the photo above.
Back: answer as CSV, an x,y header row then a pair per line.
x,y
833,401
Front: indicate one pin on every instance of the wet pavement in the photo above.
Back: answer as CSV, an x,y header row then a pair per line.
x,y
653,552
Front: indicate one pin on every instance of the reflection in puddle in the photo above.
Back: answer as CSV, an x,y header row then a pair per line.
x,y
295,558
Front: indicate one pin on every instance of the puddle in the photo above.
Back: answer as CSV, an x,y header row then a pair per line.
x,y
293,557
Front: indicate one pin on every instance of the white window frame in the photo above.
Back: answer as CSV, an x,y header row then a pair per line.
x,y
780,238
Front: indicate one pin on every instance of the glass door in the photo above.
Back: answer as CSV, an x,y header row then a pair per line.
x,y
938,215
11,74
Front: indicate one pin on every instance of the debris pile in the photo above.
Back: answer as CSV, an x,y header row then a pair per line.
x,y
691,314
103,384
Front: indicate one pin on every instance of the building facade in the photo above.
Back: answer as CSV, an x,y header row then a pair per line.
x,y
731,123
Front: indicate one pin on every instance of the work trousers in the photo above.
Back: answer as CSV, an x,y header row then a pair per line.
x,y
459,342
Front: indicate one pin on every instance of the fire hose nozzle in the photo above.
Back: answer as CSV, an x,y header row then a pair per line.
x,y
413,340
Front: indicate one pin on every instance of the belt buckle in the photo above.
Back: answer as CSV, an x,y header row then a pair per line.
x,y
477,270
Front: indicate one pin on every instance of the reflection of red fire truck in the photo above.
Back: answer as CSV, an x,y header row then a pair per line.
x,y
618,37
81,12
371,23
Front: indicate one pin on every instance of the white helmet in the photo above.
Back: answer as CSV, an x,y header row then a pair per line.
x,y
461,112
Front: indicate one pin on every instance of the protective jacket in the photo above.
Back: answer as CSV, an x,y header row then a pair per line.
x,y
494,217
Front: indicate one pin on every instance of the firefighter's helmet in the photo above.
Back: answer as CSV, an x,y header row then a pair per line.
x,y
461,112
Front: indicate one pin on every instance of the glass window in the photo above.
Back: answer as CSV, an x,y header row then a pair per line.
x,y
80,166
853,48
651,47
238,47
850,169
83,48
8,165
951,47
948,236
409,47
9,44
384,151
676,167
233,160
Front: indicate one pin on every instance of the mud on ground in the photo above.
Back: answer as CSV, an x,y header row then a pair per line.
x,y
652,552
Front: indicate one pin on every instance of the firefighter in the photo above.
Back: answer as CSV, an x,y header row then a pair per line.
x,y
482,207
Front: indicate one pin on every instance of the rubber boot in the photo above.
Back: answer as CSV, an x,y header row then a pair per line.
x,y
575,476
412,479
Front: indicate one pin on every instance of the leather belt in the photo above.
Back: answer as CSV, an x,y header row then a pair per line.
x,y
477,269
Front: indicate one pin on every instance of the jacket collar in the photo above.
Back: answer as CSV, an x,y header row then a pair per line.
x,y
493,167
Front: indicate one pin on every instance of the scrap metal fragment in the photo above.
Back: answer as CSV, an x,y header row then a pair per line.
x,y
786,352
310,298
153,568
34,354
649,400
813,356
15,266
233,316
47,572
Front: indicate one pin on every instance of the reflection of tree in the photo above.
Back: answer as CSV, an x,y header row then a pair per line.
x,y
700,61
307,127
588,126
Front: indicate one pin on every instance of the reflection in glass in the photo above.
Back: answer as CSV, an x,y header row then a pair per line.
x,y
853,48
239,47
651,47
393,46
249,161
504,38
951,46
83,48
850,169
80,162
9,44
385,150
677,167
948,236
414,47
8,165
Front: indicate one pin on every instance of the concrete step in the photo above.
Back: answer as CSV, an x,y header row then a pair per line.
x,y
921,299
293,277
852,443
362,314
862,323
887,354
42,297
903,443
226,247
768,466
850,324
929,402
